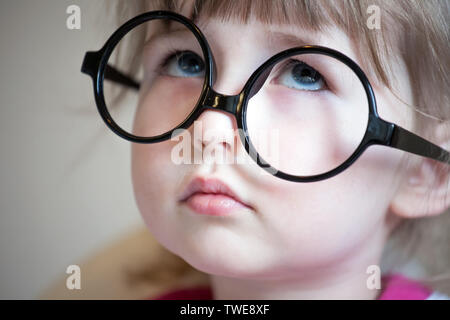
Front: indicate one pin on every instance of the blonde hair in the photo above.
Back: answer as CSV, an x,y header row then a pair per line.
x,y
418,33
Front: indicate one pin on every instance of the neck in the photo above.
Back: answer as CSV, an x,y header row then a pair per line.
x,y
327,287
345,279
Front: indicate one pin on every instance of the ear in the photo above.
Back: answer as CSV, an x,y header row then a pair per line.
x,y
425,190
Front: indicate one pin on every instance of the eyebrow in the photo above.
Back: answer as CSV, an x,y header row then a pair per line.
x,y
277,39
281,38
177,33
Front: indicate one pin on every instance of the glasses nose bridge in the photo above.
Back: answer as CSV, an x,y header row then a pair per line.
x,y
217,101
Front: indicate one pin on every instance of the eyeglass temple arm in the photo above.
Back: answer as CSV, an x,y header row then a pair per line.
x,y
114,75
410,142
90,67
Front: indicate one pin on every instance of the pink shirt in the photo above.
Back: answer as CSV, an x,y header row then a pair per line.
x,y
396,287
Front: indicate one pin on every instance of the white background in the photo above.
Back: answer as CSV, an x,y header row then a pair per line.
x,y
65,178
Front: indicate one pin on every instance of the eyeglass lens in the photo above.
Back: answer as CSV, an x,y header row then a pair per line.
x,y
309,116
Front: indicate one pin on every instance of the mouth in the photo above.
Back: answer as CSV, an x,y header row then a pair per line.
x,y
211,196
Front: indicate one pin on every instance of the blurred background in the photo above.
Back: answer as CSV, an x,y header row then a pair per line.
x,y
65,179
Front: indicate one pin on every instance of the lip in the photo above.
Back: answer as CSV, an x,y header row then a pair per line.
x,y
211,196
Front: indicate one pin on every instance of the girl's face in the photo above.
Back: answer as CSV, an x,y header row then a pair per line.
x,y
287,228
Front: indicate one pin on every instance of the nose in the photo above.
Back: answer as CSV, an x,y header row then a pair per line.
x,y
215,129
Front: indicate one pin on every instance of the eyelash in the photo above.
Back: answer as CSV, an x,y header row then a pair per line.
x,y
166,58
293,62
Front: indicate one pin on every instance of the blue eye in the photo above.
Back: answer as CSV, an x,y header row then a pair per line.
x,y
300,76
184,64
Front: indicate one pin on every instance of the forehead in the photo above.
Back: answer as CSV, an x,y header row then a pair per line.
x,y
274,29
307,14
349,17
306,20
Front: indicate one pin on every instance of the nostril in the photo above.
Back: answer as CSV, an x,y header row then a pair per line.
x,y
223,144
215,135
218,149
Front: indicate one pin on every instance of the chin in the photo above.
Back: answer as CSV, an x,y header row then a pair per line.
x,y
232,263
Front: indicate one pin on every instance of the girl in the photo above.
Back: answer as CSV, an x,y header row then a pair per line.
x,y
259,236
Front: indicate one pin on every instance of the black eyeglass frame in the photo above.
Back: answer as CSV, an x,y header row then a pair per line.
x,y
378,131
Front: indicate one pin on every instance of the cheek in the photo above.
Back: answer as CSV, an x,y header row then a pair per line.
x,y
155,179
164,104
320,223
303,133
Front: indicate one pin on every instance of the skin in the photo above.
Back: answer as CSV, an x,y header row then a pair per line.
x,y
298,240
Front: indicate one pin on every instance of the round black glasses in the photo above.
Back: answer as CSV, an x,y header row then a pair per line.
x,y
306,114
